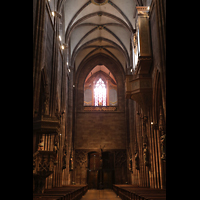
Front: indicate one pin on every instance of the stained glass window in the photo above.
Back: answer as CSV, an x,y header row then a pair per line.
x,y
100,93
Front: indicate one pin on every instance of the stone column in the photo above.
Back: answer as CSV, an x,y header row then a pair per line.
x,y
54,68
38,51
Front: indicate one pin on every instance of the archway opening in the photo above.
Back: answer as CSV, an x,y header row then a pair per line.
x,y
100,88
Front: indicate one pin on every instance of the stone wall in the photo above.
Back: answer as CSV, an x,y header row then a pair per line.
x,y
95,129
100,128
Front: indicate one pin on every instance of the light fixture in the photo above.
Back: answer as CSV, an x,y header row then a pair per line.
x,y
151,123
59,37
66,63
57,14
131,70
73,85
148,8
64,46
68,70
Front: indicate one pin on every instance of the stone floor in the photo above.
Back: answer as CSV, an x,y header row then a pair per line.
x,y
105,194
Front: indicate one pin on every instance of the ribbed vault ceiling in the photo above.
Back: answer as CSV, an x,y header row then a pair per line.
x,y
91,29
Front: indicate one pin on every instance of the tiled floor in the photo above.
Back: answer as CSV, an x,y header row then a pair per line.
x,y
105,194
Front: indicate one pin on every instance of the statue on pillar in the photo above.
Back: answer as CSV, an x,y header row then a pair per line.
x,y
145,151
71,161
55,149
136,160
163,135
41,145
145,154
64,154
163,145
130,163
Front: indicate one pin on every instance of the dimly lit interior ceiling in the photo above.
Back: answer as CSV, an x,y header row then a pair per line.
x,y
99,27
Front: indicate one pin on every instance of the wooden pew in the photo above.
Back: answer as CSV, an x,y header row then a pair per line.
x,y
125,191
119,188
77,191
131,192
143,193
148,196
81,188
70,192
47,198
58,195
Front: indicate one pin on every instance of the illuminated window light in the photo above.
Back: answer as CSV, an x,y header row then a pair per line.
x,y
59,37
100,93
53,13
62,47
69,70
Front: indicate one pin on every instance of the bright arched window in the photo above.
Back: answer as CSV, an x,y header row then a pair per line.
x,y
100,88
100,93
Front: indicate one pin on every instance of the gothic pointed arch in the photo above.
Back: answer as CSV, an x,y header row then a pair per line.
x,y
111,73
100,88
